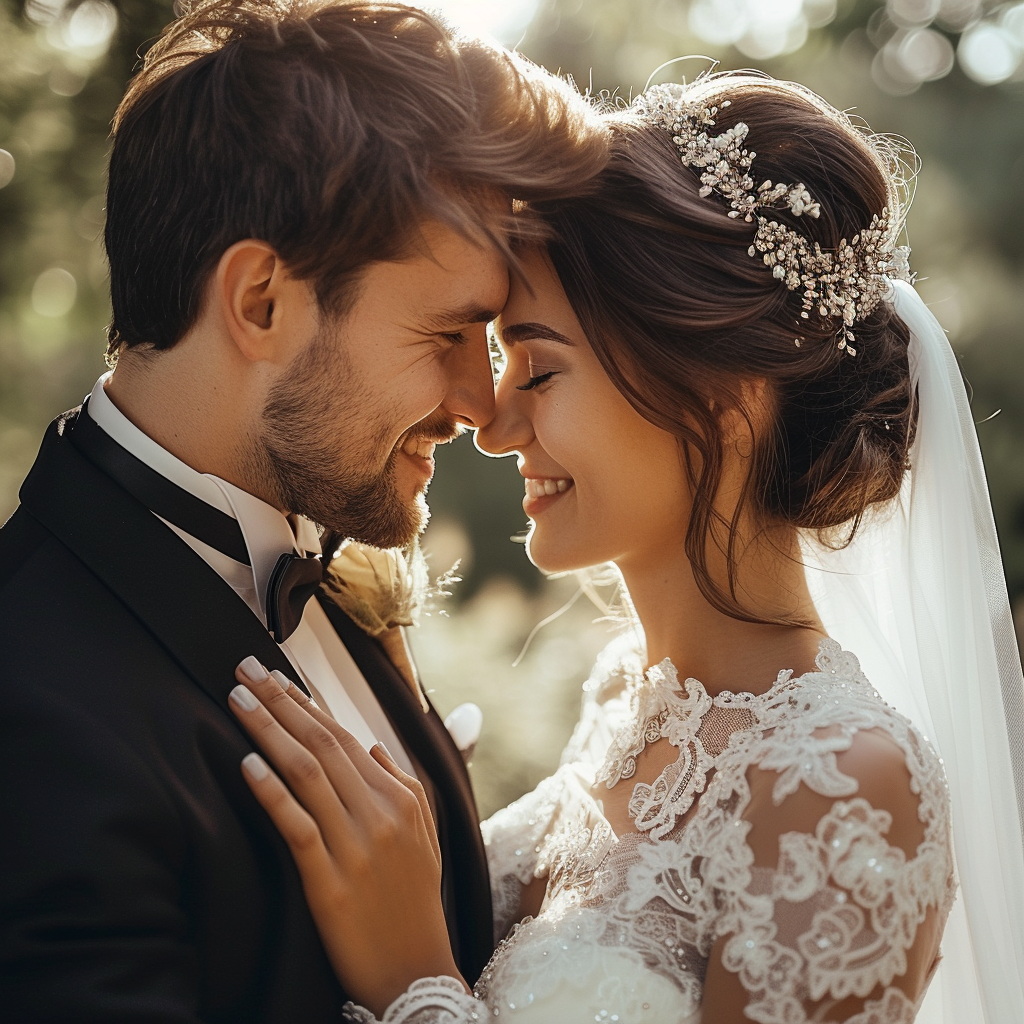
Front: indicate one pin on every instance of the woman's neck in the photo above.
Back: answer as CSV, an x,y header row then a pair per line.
x,y
725,653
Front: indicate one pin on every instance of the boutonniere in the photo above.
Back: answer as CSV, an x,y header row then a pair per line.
x,y
382,590
379,588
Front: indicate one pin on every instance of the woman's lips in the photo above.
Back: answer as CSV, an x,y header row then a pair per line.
x,y
544,491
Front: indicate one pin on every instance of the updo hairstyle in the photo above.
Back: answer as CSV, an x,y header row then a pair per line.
x,y
681,317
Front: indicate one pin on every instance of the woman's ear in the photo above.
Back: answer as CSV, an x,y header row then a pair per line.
x,y
254,291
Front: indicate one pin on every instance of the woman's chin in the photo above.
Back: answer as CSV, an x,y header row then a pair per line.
x,y
553,555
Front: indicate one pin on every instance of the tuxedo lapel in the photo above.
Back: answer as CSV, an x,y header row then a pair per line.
x,y
193,613
430,743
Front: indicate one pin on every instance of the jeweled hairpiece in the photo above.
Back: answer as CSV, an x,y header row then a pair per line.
x,y
848,282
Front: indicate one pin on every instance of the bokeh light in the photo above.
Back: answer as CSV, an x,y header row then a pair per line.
x,y
914,44
7,168
91,25
761,29
909,13
926,54
54,292
502,20
44,12
988,53
956,15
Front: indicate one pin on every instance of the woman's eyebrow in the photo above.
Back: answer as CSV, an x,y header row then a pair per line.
x,y
511,334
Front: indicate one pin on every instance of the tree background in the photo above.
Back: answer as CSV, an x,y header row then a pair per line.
x,y
946,74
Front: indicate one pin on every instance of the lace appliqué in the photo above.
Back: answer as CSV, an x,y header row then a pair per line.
x,y
658,708
893,1008
427,1001
574,854
847,951
690,720
515,836
849,903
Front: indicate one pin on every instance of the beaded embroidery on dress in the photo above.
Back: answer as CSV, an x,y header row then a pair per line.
x,y
629,922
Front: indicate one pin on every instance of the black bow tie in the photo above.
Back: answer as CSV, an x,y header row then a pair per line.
x,y
295,578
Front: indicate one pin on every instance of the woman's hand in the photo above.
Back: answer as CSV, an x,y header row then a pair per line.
x,y
362,836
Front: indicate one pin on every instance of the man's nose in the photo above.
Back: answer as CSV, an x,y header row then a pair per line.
x,y
470,396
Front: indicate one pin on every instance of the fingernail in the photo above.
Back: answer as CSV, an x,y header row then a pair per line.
x,y
281,679
252,669
244,698
255,767
387,753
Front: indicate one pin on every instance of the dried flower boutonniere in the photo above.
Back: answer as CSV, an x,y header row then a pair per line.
x,y
382,590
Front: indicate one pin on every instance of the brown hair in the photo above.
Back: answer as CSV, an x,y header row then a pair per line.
x,y
681,316
329,129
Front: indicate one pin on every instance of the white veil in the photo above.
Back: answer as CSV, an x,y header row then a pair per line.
x,y
921,599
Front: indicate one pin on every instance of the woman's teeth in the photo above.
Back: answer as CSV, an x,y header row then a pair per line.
x,y
536,488
418,446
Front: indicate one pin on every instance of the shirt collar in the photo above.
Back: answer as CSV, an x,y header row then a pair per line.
x,y
268,533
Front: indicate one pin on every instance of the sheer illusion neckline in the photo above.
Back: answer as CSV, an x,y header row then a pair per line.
x,y
700,727
665,673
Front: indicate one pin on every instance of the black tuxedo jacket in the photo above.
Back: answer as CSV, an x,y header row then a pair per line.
x,y
139,879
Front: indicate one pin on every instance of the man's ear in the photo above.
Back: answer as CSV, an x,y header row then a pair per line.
x,y
252,288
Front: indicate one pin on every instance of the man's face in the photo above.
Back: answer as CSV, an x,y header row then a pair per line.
x,y
348,431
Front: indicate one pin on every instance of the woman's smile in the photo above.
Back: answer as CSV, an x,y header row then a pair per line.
x,y
543,492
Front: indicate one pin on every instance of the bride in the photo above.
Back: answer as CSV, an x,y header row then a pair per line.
x,y
719,379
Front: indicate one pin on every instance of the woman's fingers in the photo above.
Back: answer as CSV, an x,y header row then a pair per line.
x,y
298,829
300,768
366,788
383,757
338,752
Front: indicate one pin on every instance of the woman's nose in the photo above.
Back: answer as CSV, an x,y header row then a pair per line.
x,y
509,429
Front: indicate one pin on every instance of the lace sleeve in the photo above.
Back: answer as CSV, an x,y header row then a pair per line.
x,y
833,894
515,836
427,1001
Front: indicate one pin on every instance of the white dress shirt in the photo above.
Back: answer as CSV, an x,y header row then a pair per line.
x,y
315,651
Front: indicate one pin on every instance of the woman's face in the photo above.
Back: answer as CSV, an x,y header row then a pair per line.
x,y
602,483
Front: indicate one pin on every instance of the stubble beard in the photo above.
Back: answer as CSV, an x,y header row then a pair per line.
x,y
301,452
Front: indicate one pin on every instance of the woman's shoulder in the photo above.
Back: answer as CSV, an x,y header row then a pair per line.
x,y
834,708
827,746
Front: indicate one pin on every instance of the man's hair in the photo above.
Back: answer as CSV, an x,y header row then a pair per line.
x,y
329,129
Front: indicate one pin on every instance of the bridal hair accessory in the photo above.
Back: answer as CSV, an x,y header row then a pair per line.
x,y
847,283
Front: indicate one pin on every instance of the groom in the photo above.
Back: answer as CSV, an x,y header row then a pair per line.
x,y
307,228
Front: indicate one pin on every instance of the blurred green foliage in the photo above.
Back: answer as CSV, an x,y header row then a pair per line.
x,y
61,78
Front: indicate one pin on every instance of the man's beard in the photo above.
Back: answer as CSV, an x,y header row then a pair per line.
x,y
301,453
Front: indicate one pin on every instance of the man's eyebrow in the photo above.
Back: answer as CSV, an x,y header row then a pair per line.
x,y
448,318
512,334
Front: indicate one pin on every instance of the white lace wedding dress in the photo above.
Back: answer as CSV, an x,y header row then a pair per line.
x,y
629,922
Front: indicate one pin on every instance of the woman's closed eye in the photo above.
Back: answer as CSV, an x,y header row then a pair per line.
x,y
534,381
